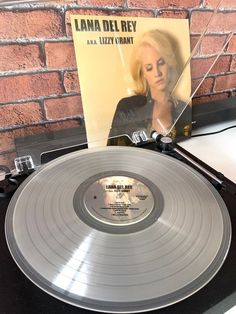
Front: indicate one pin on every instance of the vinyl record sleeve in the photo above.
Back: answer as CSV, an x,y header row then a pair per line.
x,y
107,50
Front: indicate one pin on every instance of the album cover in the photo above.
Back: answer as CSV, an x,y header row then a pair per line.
x,y
130,76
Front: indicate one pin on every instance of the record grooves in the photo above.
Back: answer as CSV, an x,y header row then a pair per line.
x,y
162,260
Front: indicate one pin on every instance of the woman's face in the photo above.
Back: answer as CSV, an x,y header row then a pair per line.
x,y
154,68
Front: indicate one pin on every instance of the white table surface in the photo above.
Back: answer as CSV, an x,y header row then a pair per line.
x,y
218,150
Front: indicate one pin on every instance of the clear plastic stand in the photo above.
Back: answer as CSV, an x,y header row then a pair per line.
x,y
216,52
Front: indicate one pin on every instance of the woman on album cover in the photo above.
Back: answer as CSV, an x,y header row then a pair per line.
x,y
152,108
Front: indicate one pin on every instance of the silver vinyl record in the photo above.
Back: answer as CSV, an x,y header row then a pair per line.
x,y
118,229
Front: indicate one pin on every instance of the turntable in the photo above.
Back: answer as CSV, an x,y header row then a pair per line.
x,y
116,229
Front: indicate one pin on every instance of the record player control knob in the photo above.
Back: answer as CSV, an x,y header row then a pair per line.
x,y
165,143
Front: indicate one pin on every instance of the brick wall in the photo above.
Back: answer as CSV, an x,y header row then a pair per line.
x,y
39,88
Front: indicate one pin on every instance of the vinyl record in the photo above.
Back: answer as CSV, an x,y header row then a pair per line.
x,y
118,229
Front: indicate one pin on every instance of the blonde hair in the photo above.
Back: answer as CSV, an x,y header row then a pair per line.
x,y
162,44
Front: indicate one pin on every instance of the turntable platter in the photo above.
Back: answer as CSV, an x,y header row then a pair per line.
x,y
118,229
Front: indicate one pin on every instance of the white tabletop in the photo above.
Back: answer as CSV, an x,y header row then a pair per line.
x,y
218,150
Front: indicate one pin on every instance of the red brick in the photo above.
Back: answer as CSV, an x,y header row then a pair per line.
x,y
223,22
7,160
173,14
6,141
71,82
29,130
233,64
30,24
205,88
209,44
221,65
199,20
20,57
13,88
19,114
155,4
212,44
193,42
67,124
225,82
52,2
63,107
99,3
224,4
44,128
232,45
133,13
209,98
200,67
56,2
60,55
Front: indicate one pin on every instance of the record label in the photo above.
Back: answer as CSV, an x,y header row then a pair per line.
x,y
119,200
